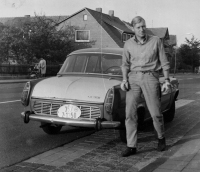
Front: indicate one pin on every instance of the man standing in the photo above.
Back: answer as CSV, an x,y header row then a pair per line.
x,y
42,67
143,57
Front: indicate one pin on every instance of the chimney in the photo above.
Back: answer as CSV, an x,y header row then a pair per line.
x,y
99,10
111,13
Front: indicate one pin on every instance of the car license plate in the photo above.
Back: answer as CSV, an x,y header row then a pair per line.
x,y
69,111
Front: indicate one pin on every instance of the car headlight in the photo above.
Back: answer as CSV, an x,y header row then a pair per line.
x,y
25,94
109,101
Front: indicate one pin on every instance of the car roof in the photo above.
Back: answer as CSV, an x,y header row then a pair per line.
x,y
99,50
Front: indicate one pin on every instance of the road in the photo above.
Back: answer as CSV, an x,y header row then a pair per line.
x,y
19,141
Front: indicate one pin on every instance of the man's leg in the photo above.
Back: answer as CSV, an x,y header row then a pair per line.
x,y
131,119
151,90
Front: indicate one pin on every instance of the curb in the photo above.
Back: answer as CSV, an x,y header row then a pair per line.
x,y
13,81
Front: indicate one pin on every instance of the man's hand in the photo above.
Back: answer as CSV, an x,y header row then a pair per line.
x,y
124,86
166,86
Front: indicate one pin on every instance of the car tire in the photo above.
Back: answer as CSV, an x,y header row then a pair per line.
x,y
169,115
51,129
122,134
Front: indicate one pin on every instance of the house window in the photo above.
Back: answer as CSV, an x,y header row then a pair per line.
x,y
82,36
128,37
85,17
123,37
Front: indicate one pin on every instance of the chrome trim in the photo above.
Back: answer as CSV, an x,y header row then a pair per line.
x,y
82,73
94,53
68,100
50,108
72,122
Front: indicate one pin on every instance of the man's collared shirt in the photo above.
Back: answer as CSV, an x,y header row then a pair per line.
x,y
147,56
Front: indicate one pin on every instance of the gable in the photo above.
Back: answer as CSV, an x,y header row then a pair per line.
x,y
162,33
110,20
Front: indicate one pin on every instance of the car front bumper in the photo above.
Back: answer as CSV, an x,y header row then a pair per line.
x,y
90,123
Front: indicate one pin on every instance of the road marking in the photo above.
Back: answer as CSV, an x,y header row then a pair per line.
x,y
198,92
182,102
10,101
189,78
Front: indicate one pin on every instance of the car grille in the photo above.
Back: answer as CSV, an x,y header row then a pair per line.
x,y
50,108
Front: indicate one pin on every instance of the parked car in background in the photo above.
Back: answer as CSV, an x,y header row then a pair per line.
x,y
86,93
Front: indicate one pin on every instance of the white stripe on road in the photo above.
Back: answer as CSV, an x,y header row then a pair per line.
x,y
189,78
198,92
10,101
182,102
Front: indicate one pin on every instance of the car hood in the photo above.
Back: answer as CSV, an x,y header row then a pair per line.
x,y
91,89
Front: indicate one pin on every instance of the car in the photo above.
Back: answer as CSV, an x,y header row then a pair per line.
x,y
86,93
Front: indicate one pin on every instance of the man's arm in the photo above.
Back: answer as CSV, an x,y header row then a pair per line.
x,y
163,59
125,63
125,69
166,74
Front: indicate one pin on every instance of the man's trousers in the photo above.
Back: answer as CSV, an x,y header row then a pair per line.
x,y
148,84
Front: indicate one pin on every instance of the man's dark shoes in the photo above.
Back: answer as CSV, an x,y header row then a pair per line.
x,y
129,151
161,144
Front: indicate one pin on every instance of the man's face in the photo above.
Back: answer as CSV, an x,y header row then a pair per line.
x,y
140,29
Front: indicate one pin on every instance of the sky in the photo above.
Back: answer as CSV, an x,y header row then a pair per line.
x,y
181,17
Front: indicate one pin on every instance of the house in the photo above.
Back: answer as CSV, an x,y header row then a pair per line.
x,y
104,30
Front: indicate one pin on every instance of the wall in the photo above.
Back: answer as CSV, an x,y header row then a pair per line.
x,y
97,33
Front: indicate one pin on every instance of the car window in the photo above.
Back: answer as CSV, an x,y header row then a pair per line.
x,y
68,65
74,63
93,64
80,64
111,64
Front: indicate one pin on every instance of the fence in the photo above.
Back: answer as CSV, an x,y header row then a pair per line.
x,y
6,69
52,70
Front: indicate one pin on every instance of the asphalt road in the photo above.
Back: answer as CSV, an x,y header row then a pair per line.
x,y
19,141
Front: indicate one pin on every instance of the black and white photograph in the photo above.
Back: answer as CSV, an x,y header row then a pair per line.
x,y
99,86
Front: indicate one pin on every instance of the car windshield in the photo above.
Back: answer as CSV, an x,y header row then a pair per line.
x,y
92,63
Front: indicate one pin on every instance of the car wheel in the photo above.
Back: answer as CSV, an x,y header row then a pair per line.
x,y
169,115
122,134
51,129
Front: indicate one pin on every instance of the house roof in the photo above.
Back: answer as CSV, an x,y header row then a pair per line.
x,y
160,32
113,21
111,24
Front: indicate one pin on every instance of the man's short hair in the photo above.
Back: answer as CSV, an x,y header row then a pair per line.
x,y
136,20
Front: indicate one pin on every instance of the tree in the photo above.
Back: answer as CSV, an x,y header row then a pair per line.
x,y
188,54
28,40
8,38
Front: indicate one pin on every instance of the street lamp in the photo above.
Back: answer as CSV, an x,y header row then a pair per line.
x,y
175,48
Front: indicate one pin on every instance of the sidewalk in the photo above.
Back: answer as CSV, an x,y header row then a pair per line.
x,y
100,152
183,157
